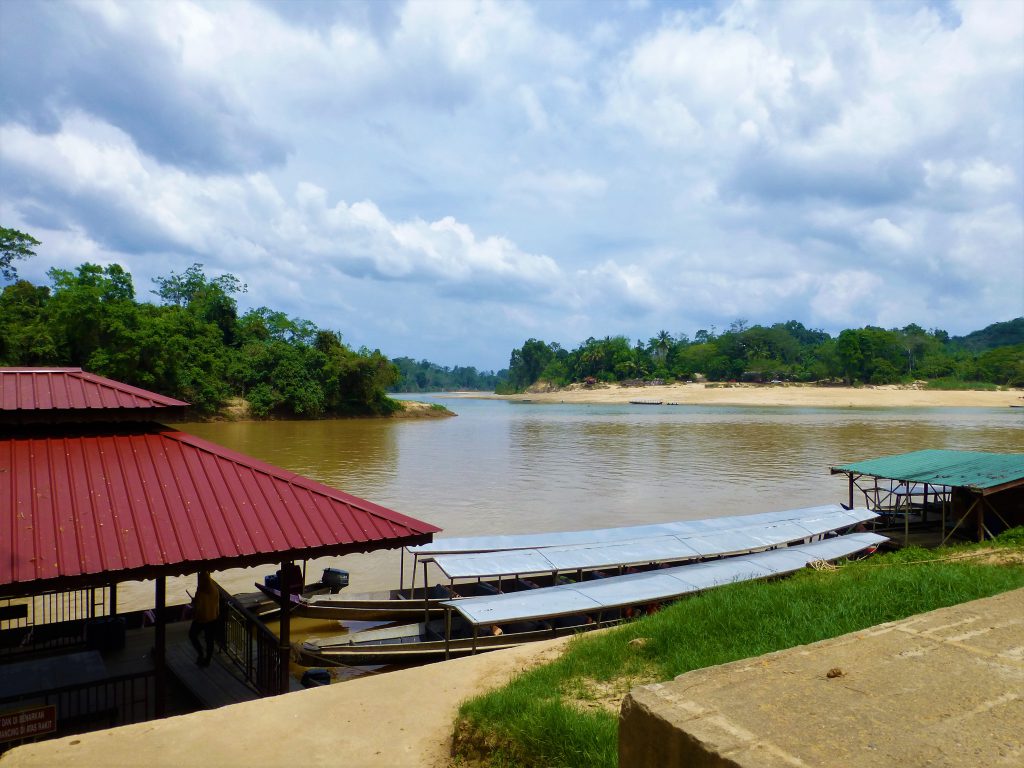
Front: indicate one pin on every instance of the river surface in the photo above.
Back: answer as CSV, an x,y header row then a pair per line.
x,y
503,467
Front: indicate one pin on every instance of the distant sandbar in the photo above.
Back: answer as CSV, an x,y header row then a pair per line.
x,y
769,395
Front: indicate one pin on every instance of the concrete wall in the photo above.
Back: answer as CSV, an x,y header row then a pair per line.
x,y
942,688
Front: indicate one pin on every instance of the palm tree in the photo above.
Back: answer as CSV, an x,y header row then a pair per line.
x,y
659,345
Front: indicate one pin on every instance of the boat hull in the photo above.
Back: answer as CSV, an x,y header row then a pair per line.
x,y
419,650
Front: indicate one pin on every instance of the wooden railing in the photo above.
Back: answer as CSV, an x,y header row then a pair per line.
x,y
52,620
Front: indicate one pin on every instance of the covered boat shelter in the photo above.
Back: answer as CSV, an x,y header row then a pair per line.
x,y
95,492
965,487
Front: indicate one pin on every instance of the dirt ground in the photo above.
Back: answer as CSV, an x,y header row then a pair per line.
x,y
401,718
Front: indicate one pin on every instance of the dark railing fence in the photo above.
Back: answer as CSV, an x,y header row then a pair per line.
x,y
251,646
104,704
60,621
52,620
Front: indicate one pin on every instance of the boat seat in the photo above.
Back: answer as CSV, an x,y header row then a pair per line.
x,y
519,627
522,585
439,592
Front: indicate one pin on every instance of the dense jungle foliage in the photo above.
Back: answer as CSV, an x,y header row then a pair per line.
x,y
193,345
784,352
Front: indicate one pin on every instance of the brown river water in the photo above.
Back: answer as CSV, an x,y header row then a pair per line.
x,y
502,467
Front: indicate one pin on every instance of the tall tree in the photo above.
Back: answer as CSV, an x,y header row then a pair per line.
x,y
14,245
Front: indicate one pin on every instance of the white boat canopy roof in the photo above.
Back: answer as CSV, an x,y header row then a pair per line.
x,y
467,544
652,549
592,597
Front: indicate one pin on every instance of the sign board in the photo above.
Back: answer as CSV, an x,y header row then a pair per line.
x,y
26,723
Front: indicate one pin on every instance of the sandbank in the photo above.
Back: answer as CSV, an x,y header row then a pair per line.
x,y
770,395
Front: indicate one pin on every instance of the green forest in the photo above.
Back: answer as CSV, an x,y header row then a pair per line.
x,y
192,344
783,352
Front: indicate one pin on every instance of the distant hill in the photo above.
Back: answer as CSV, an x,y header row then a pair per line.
x,y
1003,334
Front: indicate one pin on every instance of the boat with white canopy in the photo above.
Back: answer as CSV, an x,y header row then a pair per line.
x,y
469,623
619,549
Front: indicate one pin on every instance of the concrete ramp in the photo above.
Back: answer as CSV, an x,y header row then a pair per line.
x,y
942,688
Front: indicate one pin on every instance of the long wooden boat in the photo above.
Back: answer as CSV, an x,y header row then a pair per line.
x,y
425,642
612,552
473,625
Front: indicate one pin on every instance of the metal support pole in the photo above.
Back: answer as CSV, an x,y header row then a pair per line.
x,y
401,570
160,648
447,631
113,599
906,520
851,489
285,632
426,596
476,631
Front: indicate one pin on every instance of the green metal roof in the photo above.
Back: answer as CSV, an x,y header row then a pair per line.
x,y
980,472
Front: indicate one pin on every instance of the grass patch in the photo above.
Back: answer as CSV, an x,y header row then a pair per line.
x,y
538,720
949,383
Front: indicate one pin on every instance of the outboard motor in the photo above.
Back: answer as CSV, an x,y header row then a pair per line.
x,y
335,578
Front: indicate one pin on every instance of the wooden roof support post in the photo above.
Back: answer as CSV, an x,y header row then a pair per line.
x,y
160,648
962,518
285,646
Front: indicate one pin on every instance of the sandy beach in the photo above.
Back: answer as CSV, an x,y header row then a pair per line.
x,y
768,395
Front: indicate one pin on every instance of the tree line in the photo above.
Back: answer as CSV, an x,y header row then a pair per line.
x,y
192,345
425,376
783,352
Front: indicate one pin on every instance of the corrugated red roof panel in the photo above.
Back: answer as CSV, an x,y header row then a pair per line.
x,y
44,389
144,503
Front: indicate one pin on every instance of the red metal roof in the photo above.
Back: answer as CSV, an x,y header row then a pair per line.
x,y
163,502
45,389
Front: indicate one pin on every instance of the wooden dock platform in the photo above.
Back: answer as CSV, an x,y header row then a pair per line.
x,y
213,686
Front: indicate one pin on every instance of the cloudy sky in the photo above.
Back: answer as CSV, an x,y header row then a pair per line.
x,y
447,179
